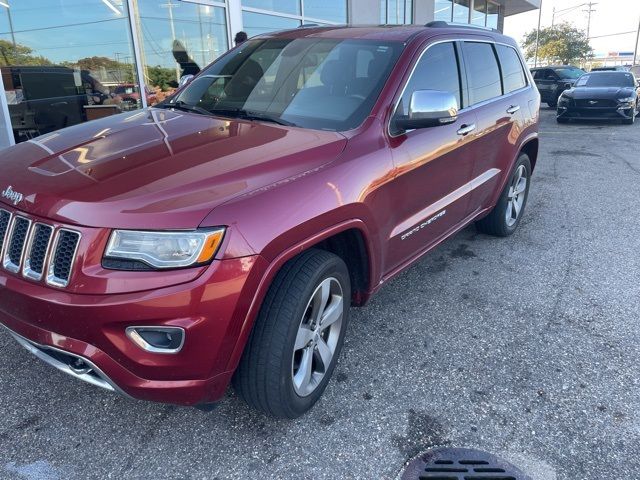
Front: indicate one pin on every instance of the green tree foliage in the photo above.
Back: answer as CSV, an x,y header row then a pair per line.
x,y
559,44
17,54
164,78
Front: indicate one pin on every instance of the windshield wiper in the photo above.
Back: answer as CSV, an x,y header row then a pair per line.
x,y
249,115
182,105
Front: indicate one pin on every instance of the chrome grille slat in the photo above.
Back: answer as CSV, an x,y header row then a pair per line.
x,y
5,219
37,250
17,239
63,255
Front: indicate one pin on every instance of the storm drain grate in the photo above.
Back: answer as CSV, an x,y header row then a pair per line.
x,y
460,464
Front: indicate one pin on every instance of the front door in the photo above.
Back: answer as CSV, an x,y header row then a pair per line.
x,y
433,165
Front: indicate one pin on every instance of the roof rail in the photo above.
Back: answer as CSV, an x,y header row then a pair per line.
x,y
443,24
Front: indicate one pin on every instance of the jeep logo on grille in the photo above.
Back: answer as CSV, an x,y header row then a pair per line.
x,y
10,194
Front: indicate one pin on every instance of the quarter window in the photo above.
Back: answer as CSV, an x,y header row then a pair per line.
x,y
436,70
513,76
483,74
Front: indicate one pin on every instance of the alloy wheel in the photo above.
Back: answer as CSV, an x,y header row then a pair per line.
x,y
317,337
516,197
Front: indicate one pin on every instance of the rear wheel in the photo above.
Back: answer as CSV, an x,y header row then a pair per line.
x,y
298,335
506,215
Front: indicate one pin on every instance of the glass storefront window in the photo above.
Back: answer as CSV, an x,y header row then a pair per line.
x,y
443,10
281,6
396,12
493,12
461,11
329,10
479,13
177,38
65,62
257,23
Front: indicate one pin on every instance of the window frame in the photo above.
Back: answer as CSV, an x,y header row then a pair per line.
x,y
461,80
462,68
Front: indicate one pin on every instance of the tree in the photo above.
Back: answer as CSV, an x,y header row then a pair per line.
x,y
559,44
17,54
164,78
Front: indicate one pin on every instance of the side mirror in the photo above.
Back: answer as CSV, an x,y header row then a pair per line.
x,y
429,108
184,80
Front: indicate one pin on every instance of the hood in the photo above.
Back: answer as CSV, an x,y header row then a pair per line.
x,y
155,168
604,93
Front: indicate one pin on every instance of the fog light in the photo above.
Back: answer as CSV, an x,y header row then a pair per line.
x,y
157,339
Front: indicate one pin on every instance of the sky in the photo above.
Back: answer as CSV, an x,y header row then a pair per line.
x,y
610,16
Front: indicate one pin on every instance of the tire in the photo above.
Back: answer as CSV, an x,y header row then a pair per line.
x,y
562,120
496,222
271,375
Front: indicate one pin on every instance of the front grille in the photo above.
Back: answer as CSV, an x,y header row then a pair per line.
x,y
17,240
26,246
63,255
598,103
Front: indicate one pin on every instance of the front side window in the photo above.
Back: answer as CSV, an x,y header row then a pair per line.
x,y
327,84
483,74
436,70
513,76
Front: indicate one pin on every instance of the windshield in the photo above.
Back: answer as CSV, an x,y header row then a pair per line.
x,y
568,73
314,83
606,79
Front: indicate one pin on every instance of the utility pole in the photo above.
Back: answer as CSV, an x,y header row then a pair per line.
x,y
535,58
589,11
635,52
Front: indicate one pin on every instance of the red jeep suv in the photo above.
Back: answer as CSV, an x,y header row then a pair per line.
x,y
225,233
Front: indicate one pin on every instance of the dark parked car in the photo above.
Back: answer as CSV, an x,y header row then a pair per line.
x,y
601,95
227,232
552,81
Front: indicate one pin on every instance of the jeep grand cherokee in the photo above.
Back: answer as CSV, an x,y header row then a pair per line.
x,y
225,233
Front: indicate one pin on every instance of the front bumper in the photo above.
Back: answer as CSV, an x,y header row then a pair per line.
x,y
594,113
65,329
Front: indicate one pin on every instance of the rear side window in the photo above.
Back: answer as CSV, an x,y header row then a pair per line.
x,y
483,74
513,76
436,70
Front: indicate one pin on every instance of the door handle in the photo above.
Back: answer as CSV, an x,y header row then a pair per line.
x,y
513,109
466,129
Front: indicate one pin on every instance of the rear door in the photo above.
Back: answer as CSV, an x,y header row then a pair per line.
x,y
498,92
433,165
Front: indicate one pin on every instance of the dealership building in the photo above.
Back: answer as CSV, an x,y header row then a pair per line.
x,y
70,61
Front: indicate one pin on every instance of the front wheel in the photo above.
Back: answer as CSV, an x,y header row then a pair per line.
x,y
506,215
297,337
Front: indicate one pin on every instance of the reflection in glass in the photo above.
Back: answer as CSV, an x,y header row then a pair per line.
x,y
257,23
493,11
461,11
443,10
396,12
479,13
329,10
65,62
282,6
177,38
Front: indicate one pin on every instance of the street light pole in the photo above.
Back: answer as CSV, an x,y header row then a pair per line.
x,y
535,58
635,52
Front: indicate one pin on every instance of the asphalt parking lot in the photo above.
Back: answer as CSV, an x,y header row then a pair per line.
x,y
526,347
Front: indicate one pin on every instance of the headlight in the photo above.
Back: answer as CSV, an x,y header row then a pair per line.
x,y
626,100
165,249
